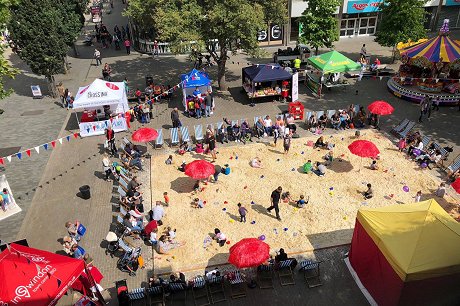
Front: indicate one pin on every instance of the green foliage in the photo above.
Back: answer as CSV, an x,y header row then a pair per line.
x,y
320,28
6,70
402,20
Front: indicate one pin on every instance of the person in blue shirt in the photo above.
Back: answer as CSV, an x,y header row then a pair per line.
x,y
301,202
77,252
197,93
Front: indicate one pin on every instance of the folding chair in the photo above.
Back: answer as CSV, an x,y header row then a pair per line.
x,y
237,285
357,107
443,153
123,183
319,114
398,128
265,276
176,288
234,122
285,272
216,288
311,273
159,141
426,140
407,129
200,291
198,132
136,294
455,165
123,211
121,192
219,124
156,295
307,117
330,113
256,118
185,136
174,136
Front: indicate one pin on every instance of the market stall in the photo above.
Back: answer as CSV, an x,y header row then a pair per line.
x,y
104,104
269,80
327,71
190,82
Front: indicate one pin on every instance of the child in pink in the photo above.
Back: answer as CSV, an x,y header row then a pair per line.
x,y
402,144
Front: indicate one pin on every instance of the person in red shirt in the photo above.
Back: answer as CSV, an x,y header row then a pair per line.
x,y
127,44
138,95
110,135
376,64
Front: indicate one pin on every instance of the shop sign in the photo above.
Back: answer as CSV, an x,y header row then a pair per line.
x,y
363,6
275,32
452,2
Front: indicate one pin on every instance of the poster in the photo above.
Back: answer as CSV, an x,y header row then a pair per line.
x,y
295,87
36,91
98,127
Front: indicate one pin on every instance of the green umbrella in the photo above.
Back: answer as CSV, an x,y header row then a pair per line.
x,y
332,62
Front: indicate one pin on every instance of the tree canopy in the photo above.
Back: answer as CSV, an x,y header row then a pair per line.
x,y
233,24
6,70
319,26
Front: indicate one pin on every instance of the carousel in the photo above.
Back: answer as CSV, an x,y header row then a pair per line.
x,y
429,68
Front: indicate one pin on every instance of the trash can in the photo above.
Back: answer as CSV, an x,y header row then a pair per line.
x,y
85,192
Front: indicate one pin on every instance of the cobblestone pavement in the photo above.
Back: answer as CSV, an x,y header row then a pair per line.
x,y
61,171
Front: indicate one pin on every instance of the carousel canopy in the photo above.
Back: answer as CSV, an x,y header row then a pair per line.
x,y
332,62
438,49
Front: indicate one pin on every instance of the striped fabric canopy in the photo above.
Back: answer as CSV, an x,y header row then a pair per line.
x,y
440,48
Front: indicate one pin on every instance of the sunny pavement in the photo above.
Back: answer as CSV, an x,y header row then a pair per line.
x,y
61,171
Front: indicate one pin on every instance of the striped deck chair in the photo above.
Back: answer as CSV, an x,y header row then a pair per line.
x,y
407,129
319,114
256,118
398,128
176,289
455,165
216,288
200,291
443,153
198,132
311,273
185,136
174,136
307,117
159,141
237,285
156,295
285,274
265,276
123,183
136,294
426,140
357,106
121,192
330,113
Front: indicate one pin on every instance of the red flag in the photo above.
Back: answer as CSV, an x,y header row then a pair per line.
x,y
53,143
28,152
1,161
75,135
94,127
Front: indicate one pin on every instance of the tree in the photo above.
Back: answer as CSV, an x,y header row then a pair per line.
x,y
319,26
233,24
402,20
6,70
43,30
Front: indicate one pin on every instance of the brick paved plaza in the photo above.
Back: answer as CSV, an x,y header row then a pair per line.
x,y
46,185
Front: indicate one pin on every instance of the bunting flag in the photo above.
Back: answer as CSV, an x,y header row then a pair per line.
x,y
19,155
9,158
68,138
45,146
87,130
28,152
53,143
60,140
75,135
94,127
37,149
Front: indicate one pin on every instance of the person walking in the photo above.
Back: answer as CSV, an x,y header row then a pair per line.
x,y
127,44
242,211
211,141
208,102
274,200
97,56
423,108
60,88
110,135
175,118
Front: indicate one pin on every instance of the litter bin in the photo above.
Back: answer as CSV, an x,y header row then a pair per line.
x,y
85,192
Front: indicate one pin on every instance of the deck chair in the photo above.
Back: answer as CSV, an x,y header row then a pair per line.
x,y
123,211
185,136
237,285
311,273
198,132
307,117
234,122
136,295
156,296
443,151
454,166
176,289
125,141
216,288
398,128
123,183
407,129
330,113
219,124
121,192
426,140
256,118
174,136
357,107
200,291
265,276
285,274
319,114
159,141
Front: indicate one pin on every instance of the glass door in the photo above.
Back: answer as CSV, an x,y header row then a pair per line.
x,y
348,26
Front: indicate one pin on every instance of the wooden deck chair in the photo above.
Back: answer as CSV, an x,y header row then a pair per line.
x,y
234,122
121,192
174,136
307,117
185,136
200,292
311,273
123,211
237,285
407,129
398,128
159,141
454,166
357,107
426,140
285,274
198,132
136,295
330,113
443,151
156,296
123,183
216,288
176,289
265,276
256,118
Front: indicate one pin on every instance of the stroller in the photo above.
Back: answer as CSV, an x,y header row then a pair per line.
x,y
122,292
129,262
113,239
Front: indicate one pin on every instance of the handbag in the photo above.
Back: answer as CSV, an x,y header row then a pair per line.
x,y
81,230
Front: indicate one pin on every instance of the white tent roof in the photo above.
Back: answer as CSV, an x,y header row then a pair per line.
x,y
100,93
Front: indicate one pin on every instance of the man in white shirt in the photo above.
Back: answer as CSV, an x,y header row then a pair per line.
x,y
268,125
158,212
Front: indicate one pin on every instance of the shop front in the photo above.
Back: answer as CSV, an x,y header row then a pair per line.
x,y
360,18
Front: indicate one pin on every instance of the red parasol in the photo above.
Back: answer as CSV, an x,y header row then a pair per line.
x,y
249,252
199,169
380,108
363,148
145,135
456,185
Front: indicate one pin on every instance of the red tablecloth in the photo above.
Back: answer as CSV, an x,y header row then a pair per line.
x,y
83,282
88,116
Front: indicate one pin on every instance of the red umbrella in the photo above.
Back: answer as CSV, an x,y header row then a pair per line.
x,y
199,169
456,185
145,135
380,108
363,148
249,252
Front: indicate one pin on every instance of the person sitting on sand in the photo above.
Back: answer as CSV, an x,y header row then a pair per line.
x,y
220,237
307,167
256,163
182,166
164,247
329,157
320,169
197,203
320,143
286,197
302,202
169,160
196,187
374,165
369,193
441,191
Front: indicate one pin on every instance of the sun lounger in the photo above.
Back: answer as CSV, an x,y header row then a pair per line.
x,y
398,128
198,132
407,129
455,165
159,141
174,136
185,136
285,274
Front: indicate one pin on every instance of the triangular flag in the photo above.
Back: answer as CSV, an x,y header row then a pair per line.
x,y
75,135
87,130
94,127
45,146
437,80
1,161
37,149
60,140
381,78
402,79
19,155
68,138
53,143
423,80
28,152
9,158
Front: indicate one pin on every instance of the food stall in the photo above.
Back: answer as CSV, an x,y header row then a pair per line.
x,y
191,81
104,104
327,71
268,80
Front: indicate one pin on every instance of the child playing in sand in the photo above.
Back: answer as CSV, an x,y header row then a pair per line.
x,y
169,160
256,163
418,196
369,193
171,233
220,237
196,187
374,165
182,166
242,211
197,203
166,198
286,197
329,157
301,202
307,167
402,144
441,191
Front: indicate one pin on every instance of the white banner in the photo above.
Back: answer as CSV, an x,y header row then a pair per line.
x,y
99,127
295,87
36,91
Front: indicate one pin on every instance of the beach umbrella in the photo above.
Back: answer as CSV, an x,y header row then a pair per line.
x,y
249,252
145,135
380,108
363,148
199,169
456,185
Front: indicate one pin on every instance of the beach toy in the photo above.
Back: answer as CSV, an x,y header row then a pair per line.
x,y
285,229
392,195
310,143
262,176
252,202
253,222
293,169
342,138
277,159
225,202
204,202
231,220
224,209
245,187
345,218
331,188
275,231
236,157
262,237
331,193
423,165
406,189
295,209
302,152
228,242
231,157
174,257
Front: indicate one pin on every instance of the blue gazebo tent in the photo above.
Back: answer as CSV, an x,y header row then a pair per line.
x,y
261,80
192,80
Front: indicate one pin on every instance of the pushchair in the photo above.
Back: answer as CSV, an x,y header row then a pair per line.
x,y
113,240
129,262
122,292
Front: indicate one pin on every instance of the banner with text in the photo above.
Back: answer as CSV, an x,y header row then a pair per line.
x,y
363,6
99,127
